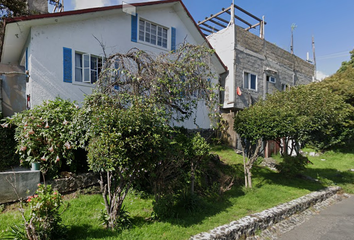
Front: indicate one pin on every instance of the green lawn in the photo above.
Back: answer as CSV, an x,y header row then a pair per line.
x,y
270,189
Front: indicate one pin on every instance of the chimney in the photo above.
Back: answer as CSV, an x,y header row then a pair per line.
x,y
37,6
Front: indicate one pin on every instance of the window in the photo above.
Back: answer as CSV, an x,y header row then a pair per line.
x,y
284,87
250,81
87,67
271,79
152,33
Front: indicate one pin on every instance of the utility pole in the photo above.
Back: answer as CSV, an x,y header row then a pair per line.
x,y
293,26
314,57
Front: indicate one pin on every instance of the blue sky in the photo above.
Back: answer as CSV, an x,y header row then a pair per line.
x,y
329,21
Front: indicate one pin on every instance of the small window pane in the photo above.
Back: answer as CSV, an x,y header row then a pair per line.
x,y
78,60
94,76
86,75
245,80
86,60
253,82
153,34
141,25
94,63
78,67
147,37
78,75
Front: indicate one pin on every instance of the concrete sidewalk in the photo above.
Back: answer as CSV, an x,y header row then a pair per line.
x,y
333,223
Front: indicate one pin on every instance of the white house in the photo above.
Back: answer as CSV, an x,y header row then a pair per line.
x,y
62,53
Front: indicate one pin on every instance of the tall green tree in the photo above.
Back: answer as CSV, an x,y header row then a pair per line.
x,y
347,64
127,122
304,114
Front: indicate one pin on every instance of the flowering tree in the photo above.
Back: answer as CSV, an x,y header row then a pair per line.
x,y
44,133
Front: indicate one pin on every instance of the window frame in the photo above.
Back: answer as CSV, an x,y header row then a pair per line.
x,y
285,87
270,77
249,81
86,68
152,33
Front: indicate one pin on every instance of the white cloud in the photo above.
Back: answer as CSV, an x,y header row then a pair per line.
x,y
320,75
82,4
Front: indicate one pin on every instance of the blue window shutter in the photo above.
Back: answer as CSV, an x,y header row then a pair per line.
x,y
134,36
26,63
67,65
173,39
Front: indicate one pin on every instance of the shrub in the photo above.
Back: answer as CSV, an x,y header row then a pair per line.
x,y
44,221
44,134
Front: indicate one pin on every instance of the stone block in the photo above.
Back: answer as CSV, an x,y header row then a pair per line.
x,y
25,183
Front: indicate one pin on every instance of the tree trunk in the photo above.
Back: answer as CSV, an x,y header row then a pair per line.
x,y
192,178
249,175
244,167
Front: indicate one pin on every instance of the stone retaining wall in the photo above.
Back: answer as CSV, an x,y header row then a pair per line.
x,y
73,182
249,225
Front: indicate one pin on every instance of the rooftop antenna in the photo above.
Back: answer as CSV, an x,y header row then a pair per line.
x,y
293,26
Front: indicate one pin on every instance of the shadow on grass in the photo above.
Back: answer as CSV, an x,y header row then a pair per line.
x,y
331,176
85,231
261,176
267,176
212,203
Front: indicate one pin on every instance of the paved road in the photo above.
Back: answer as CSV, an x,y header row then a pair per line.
x,y
333,223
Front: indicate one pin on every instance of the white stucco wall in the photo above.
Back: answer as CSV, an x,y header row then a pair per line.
x,y
224,44
45,52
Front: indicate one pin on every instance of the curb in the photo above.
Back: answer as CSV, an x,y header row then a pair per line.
x,y
249,225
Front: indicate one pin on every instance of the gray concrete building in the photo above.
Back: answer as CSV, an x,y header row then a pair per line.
x,y
256,67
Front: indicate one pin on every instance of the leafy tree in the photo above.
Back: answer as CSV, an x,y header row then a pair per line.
x,y
196,151
10,8
175,82
126,144
304,114
14,8
347,64
127,122
341,83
